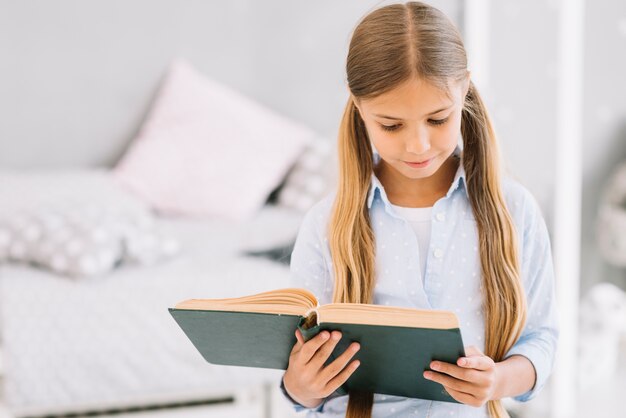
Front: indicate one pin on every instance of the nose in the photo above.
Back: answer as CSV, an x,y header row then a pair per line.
x,y
418,142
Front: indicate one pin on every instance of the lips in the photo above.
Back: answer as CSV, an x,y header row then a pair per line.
x,y
419,164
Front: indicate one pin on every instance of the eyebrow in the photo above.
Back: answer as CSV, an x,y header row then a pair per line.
x,y
431,113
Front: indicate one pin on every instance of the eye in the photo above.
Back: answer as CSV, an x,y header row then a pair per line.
x,y
438,122
390,127
435,122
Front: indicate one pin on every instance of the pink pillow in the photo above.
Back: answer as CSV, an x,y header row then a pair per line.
x,y
207,150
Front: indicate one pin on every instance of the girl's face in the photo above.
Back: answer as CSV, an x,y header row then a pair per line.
x,y
414,127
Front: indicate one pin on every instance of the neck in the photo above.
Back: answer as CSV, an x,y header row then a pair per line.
x,y
417,193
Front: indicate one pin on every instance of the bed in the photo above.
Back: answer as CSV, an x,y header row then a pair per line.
x,y
200,205
107,342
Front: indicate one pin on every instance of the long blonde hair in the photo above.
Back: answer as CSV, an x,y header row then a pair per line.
x,y
389,46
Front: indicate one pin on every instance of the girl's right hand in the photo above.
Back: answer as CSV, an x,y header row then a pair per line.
x,y
307,380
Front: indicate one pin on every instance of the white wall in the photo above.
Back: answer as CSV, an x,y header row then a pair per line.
x,y
77,77
522,99
604,125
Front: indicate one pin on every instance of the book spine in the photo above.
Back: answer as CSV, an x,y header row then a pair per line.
x,y
308,333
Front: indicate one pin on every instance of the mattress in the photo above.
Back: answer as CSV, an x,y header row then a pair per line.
x,y
104,342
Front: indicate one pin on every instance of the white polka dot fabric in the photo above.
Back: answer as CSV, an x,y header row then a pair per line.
x,y
76,224
310,178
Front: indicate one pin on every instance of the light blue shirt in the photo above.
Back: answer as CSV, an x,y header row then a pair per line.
x,y
452,280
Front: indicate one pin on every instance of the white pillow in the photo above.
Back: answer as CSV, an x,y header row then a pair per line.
x,y
311,178
76,222
206,150
272,227
82,240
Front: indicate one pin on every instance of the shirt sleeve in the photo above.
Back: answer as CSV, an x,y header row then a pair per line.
x,y
310,259
295,404
538,340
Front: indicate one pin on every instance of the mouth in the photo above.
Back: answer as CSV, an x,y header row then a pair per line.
x,y
418,164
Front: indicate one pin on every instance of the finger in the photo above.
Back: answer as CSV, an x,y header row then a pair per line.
x,y
475,359
449,382
478,362
466,398
299,337
325,350
310,347
342,377
334,368
453,370
298,345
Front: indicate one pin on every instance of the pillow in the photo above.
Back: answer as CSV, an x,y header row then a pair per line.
x,y
271,233
272,227
81,241
310,179
206,150
75,222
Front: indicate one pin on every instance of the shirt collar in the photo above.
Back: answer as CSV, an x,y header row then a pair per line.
x,y
377,187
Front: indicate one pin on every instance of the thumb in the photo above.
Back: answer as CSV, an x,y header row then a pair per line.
x,y
475,359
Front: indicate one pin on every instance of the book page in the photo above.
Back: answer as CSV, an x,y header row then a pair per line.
x,y
289,301
357,313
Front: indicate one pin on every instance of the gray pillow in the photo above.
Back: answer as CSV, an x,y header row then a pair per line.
x,y
82,240
311,178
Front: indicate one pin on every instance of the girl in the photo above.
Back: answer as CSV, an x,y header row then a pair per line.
x,y
421,218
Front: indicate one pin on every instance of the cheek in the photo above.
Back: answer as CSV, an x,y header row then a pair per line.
x,y
385,143
379,144
449,133
453,131
377,137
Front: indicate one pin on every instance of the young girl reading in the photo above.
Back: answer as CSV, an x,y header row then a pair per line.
x,y
422,218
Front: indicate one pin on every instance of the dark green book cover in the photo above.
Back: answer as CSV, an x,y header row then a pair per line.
x,y
392,358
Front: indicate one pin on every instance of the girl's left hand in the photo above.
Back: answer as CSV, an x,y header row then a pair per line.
x,y
471,381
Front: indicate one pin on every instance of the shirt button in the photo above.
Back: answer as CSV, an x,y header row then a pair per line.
x,y
441,217
438,253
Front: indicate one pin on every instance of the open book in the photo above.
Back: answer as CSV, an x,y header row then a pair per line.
x,y
397,344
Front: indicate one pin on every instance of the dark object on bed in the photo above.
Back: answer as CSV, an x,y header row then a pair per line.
x,y
280,254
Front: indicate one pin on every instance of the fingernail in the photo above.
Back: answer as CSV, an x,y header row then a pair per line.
x,y
324,335
356,347
434,366
427,375
463,362
336,336
356,363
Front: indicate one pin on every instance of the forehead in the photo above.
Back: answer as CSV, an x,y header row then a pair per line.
x,y
412,96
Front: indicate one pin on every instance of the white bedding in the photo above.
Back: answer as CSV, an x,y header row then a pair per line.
x,y
97,343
